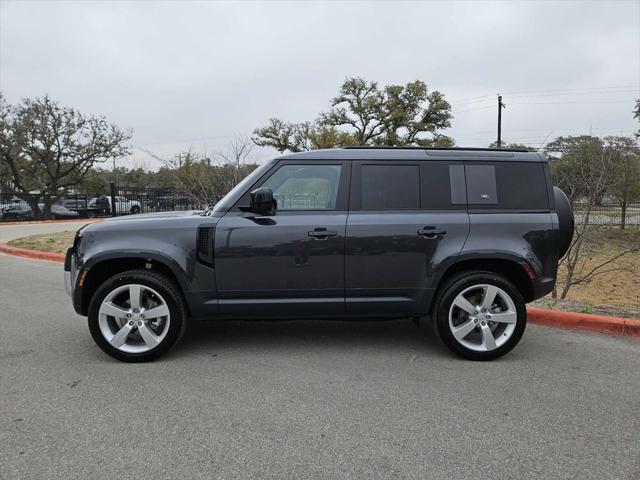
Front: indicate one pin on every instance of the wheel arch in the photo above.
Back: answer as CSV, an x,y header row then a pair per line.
x,y
514,269
102,267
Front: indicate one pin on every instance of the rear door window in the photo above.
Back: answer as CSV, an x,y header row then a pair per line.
x,y
389,187
438,186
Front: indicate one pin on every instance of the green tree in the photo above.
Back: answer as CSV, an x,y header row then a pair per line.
x,y
364,114
625,171
512,146
48,148
575,162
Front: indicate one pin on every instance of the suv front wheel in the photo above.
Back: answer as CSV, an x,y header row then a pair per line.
x,y
480,315
137,315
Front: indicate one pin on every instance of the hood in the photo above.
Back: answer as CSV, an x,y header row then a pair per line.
x,y
152,216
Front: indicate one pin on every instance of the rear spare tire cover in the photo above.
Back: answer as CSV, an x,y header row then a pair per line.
x,y
565,218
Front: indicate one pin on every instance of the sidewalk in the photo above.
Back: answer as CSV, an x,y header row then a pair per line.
x,y
13,231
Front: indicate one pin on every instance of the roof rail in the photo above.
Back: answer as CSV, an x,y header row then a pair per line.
x,y
413,147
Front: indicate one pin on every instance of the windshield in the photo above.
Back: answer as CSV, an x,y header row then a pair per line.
x,y
234,194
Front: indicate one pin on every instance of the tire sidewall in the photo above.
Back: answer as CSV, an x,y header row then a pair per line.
x,y
453,290
176,311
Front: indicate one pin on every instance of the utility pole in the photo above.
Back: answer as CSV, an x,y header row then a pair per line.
x,y
500,107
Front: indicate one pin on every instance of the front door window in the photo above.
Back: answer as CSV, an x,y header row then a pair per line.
x,y
305,187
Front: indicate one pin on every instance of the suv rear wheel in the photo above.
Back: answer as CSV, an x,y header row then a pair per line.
x,y
480,315
136,316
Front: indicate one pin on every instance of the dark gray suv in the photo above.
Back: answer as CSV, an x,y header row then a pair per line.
x,y
464,236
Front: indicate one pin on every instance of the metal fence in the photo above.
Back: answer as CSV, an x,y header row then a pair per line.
x,y
608,214
129,200
15,206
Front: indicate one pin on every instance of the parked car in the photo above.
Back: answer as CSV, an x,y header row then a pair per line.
x,y
21,210
123,204
60,212
463,236
17,209
76,204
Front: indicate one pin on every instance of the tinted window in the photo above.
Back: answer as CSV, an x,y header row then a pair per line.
x,y
390,186
481,184
507,185
436,186
305,187
522,186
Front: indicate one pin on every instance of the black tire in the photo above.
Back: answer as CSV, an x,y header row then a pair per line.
x,y
161,284
457,284
135,209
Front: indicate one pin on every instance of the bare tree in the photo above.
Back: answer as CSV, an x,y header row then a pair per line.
x,y
205,182
585,171
237,155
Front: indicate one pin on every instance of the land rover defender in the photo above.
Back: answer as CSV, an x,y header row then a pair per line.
x,y
465,237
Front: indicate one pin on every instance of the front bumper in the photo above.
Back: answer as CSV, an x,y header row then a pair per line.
x,y
70,271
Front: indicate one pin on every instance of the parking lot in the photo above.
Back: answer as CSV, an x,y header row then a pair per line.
x,y
305,400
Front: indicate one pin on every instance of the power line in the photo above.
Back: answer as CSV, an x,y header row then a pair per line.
x,y
586,89
473,109
559,94
188,140
572,101
542,93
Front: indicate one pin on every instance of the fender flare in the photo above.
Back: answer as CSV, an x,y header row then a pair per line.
x,y
167,261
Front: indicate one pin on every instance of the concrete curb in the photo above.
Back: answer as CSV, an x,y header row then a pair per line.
x,y
555,318
34,254
627,327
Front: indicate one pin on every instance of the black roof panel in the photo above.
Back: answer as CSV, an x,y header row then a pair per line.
x,y
416,153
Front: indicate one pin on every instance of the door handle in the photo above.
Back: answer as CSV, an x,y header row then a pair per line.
x,y
430,232
321,233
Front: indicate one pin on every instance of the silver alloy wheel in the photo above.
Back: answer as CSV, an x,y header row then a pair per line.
x,y
482,317
134,318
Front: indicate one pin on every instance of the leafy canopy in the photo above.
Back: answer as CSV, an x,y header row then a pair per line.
x,y
365,114
47,148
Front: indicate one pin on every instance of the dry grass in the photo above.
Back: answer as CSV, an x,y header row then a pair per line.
x,y
46,242
619,286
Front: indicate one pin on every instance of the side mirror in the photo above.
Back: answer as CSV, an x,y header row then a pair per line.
x,y
262,202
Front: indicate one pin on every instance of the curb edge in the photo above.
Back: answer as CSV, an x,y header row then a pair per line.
x,y
33,254
626,327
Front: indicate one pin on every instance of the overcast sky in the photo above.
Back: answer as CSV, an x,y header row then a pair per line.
x,y
184,74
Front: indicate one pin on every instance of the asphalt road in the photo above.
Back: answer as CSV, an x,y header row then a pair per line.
x,y
305,400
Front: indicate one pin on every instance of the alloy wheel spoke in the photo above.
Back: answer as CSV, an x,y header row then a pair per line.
x,y
135,296
464,330
121,336
489,296
464,304
504,317
150,338
488,341
109,308
156,312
